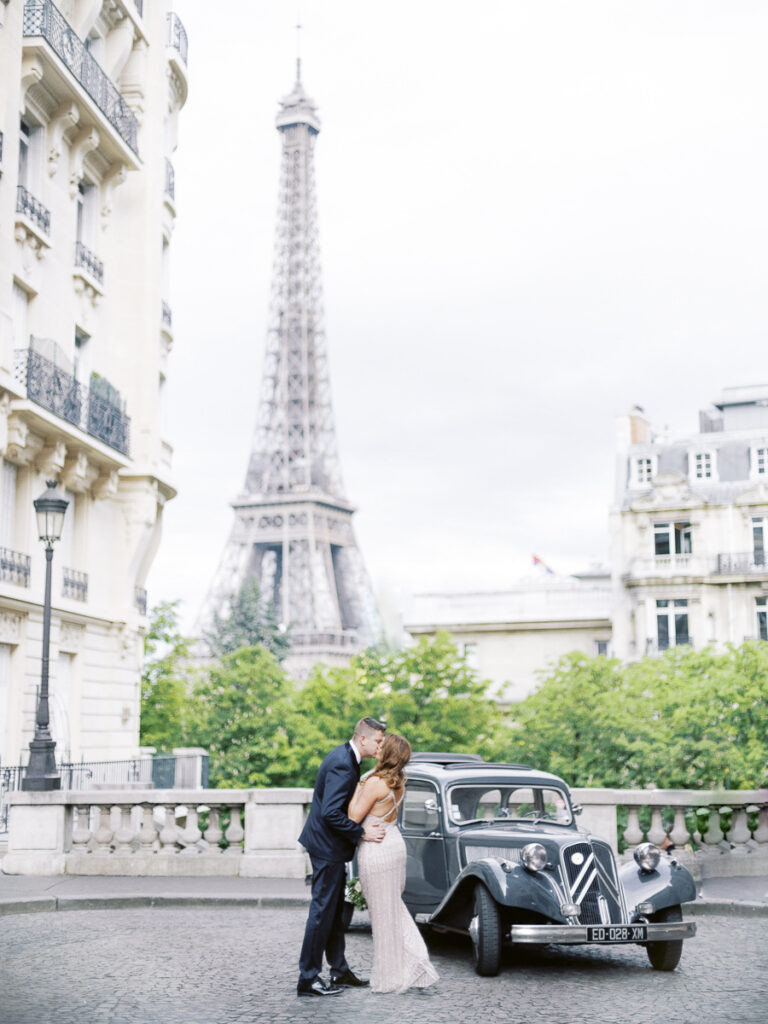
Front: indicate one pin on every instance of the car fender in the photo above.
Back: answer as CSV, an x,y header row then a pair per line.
x,y
666,886
532,892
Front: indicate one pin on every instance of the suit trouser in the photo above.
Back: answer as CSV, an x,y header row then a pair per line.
x,y
324,932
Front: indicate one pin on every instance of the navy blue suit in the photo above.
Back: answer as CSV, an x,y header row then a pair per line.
x,y
330,838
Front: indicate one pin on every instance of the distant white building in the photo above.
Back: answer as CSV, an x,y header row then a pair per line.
x,y
689,529
90,95
509,636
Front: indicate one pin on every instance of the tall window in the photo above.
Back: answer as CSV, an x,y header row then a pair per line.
x,y
25,136
7,504
672,624
60,689
5,683
760,461
761,607
20,317
643,470
85,227
470,656
672,539
702,466
759,524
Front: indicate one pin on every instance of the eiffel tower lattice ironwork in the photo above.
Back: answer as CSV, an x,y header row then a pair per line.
x,y
293,525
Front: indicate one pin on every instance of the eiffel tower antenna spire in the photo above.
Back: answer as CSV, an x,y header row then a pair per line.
x,y
293,524
298,49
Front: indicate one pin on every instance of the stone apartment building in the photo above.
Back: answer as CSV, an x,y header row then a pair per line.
x,y
90,95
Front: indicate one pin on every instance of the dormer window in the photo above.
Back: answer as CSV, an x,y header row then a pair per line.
x,y
702,465
642,470
759,461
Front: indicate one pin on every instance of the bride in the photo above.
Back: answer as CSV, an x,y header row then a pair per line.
x,y
400,959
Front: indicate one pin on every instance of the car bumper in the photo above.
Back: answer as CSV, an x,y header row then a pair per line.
x,y
576,935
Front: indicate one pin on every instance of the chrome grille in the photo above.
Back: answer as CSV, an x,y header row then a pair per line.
x,y
583,887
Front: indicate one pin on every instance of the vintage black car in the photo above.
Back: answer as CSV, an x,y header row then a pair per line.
x,y
494,852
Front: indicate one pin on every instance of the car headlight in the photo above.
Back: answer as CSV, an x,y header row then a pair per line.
x,y
647,856
534,856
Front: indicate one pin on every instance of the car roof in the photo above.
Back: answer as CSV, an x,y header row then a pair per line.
x,y
447,769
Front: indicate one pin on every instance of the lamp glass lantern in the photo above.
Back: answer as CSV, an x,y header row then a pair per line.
x,y
50,509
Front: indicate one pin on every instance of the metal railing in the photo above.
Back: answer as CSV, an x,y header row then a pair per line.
x,y
653,647
159,771
43,18
744,563
75,584
177,35
165,314
14,567
140,599
323,639
170,179
33,209
54,388
88,261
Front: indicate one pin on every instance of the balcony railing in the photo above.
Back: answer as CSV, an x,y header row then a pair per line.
x,y
14,567
75,584
95,410
177,36
33,209
741,564
88,261
42,18
653,648
165,315
140,599
170,179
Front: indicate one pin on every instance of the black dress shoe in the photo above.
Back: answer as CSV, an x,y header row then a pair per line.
x,y
317,987
348,978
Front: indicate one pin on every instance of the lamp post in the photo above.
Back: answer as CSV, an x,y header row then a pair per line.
x,y
41,773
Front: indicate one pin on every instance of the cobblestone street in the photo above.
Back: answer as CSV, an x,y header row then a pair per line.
x,y
234,966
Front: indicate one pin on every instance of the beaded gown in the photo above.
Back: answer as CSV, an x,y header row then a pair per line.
x,y
400,958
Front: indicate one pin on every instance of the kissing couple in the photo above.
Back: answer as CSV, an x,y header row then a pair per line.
x,y
351,814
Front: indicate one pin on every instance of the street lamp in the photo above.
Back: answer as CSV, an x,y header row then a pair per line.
x,y
41,771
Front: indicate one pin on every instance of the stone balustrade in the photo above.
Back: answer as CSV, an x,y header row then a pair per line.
x,y
254,832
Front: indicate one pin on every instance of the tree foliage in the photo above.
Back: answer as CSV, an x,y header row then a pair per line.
x,y
165,681
251,622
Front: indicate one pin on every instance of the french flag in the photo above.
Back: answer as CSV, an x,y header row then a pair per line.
x,y
537,561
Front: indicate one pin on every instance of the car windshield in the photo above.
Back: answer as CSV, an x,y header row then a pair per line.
x,y
493,802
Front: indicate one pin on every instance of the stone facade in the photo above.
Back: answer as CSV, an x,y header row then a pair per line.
x,y
89,105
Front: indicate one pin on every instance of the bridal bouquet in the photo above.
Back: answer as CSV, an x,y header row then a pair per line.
x,y
353,894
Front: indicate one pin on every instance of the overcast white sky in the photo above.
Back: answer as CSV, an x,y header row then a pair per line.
x,y
533,215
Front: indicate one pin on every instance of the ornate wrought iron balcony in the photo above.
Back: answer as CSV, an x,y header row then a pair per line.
x,y
75,584
140,599
165,314
177,35
28,206
170,179
97,410
14,567
88,261
42,18
747,563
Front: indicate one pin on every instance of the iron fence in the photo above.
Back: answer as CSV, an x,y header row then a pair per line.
x,y
742,563
160,771
165,314
177,35
42,18
75,584
170,179
14,567
140,599
88,261
28,206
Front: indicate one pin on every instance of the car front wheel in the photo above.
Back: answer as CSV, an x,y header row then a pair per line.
x,y
485,932
665,956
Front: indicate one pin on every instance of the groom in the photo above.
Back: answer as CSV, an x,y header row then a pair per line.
x,y
330,838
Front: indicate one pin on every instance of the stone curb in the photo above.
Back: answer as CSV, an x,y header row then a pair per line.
x,y
46,905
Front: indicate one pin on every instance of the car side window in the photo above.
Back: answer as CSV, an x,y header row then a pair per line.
x,y
420,808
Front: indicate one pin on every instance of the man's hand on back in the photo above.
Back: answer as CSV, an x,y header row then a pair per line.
x,y
373,833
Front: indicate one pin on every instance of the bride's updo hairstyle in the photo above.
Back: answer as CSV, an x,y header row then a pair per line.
x,y
394,755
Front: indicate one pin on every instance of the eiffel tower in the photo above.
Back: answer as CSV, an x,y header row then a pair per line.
x,y
293,525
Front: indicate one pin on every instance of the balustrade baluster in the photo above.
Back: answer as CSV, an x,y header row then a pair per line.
x,y
761,832
191,834
633,834
104,832
81,831
739,832
147,832
213,833
656,833
169,832
679,832
125,833
235,832
714,833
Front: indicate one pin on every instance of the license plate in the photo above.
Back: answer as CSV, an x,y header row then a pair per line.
x,y
617,933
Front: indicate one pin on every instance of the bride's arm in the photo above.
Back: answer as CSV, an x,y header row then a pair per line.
x,y
366,794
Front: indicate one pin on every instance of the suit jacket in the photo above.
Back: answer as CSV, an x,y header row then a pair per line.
x,y
328,833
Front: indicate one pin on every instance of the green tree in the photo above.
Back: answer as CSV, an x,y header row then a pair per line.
x,y
241,707
251,622
165,681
